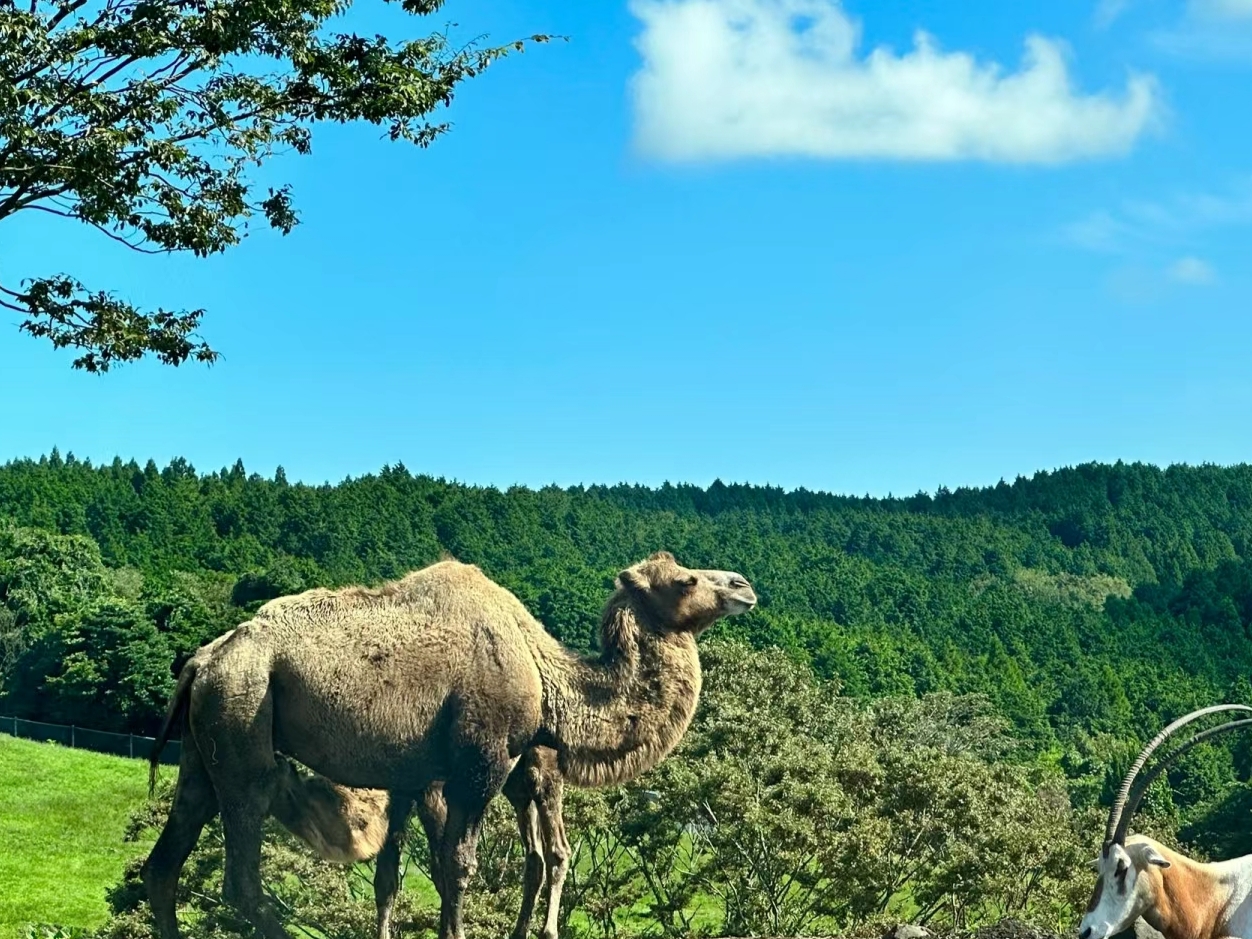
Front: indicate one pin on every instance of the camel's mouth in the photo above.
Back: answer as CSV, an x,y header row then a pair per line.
x,y
739,597
734,594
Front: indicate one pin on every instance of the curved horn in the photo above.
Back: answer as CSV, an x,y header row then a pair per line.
x,y
1146,782
1115,831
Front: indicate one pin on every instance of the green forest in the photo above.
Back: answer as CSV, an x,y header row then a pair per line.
x,y
1088,606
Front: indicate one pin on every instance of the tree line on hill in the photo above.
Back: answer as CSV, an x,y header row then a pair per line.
x,y
1088,605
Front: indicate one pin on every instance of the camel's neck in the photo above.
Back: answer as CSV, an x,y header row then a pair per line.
x,y
1192,899
616,716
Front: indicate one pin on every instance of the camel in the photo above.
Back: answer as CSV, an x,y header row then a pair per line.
x,y
432,688
348,825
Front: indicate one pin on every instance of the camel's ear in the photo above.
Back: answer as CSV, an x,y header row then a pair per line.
x,y
662,556
632,580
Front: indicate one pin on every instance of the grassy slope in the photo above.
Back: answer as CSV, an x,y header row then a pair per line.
x,y
62,816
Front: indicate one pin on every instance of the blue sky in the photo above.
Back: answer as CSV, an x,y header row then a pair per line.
x,y
773,241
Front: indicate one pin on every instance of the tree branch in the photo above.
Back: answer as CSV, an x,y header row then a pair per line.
x,y
65,11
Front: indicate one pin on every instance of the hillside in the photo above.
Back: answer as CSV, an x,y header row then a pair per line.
x,y
1090,604
63,816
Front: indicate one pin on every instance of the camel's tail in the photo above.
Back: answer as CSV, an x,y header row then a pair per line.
x,y
177,707
339,823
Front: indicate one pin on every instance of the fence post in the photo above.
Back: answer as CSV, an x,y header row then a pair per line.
x,y
132,745
71,735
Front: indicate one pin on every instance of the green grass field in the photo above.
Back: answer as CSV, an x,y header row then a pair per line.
x,y
63,813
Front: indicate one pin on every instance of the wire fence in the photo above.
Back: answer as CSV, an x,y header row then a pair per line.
x,y
132,745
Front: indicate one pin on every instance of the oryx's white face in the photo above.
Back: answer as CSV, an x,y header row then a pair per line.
x,y
1124,888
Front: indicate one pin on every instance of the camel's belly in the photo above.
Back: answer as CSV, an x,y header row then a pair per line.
x,y
391,734
365,763
373,735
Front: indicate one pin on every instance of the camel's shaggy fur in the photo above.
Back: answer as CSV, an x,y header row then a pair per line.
x,y
340,824
435,684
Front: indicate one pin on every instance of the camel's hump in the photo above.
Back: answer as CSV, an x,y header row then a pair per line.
x,y
432,579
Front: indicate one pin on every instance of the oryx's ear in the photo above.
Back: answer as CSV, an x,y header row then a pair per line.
x,y
1153,856
1094,866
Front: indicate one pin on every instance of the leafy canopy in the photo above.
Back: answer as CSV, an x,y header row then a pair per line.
x,y
144,118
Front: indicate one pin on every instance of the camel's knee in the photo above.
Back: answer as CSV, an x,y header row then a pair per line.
x,y
534,869
161,890
155,881
558,863
464,865
242,889
238,892
387,876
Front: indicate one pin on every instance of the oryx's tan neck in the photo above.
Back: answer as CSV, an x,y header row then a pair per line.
x,y
1191,900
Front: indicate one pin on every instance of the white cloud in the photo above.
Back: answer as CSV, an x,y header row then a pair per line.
x,y
726,79
1193,271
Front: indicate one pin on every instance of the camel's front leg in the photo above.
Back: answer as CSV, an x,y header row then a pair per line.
x,y
550,805
532,878
387,866
459,856
432,810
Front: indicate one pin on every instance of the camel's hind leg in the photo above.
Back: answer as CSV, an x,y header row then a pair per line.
x,y
387,866
195,804
232,716
243,822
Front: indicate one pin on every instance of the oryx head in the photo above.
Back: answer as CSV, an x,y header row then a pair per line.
x,y
1125,888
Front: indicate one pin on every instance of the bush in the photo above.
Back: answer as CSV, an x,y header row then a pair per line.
x,y
786,810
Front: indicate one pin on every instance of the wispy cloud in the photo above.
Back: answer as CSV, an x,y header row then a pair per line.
x,y
1193,271
1107,12
1221,9
1138,225
1156,242
1210,29
729,79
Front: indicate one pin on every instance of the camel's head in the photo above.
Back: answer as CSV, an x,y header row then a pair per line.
x,y
686,600
341,824
1125,887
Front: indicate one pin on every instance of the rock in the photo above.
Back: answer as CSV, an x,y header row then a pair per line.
x,y
1011,929
907,931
